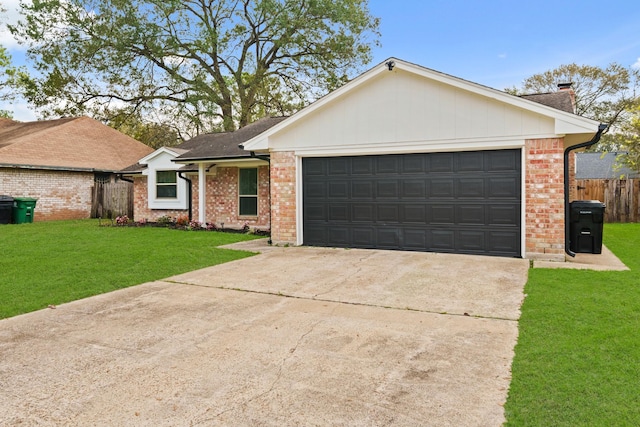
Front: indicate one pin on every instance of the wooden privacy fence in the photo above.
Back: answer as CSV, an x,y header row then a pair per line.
x,y
111,199
620,196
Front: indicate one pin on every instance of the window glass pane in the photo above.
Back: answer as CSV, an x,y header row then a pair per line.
x,y
166,191
248,182
166,177
249,206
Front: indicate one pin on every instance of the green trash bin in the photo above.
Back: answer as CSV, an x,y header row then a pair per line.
x,y
23,208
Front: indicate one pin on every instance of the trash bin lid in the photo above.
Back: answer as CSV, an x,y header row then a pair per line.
x,y
587,204
4,198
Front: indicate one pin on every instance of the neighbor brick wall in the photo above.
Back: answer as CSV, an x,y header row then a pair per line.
x,y
544,189
61,194
283,197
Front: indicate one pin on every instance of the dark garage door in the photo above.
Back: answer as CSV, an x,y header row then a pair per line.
x,y
461,202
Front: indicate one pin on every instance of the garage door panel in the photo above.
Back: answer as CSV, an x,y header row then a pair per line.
x,y
363,213
388,213
362,166
364,237
441,162
502,242
442,214
338,190
414,239
471,241
387,189
503,215
471,162
315,167
338,166
338,212
413,164
470,188
442,240
315,190
442,188
504,160
315,211
387,165
460,202
413,189
362,190
504,188
387,238
413,213
470,214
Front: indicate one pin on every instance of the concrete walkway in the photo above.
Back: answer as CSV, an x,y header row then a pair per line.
x,y
294,336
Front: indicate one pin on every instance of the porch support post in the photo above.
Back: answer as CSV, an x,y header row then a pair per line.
x,y
202,189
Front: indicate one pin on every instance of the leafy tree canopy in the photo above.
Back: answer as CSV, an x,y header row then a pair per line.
x,y
603,94
202,65
609,95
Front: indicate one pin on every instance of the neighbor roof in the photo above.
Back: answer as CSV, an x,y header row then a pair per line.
x,y
560,100
602,166
78,143
225,145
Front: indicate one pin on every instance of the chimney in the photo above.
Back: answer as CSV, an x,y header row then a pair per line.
x,y
572,94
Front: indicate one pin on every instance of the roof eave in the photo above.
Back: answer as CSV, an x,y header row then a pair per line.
x,y
56,168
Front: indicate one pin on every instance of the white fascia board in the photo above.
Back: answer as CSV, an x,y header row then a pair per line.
x,y
419,147
568,125
172,152
243,162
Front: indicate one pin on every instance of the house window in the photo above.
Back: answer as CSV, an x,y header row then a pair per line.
x,y
166,185
248,192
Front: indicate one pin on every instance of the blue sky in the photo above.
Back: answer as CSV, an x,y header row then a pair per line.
x,y
496,43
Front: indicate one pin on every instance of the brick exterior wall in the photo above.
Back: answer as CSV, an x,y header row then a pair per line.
x,y
283,197
221,200
61,194
544,189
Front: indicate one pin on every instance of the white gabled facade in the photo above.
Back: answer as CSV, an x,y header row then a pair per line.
x,y
162,160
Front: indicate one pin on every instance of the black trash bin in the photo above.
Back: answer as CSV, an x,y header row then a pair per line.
x,y
587,218
6,205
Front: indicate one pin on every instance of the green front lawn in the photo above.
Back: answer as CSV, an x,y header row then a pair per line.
x,y
49,263
577,361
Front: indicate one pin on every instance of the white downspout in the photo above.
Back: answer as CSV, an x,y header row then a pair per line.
x,y
202,189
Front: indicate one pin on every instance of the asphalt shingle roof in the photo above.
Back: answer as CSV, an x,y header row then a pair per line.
x,y
225,145
70,143
602,166
560,100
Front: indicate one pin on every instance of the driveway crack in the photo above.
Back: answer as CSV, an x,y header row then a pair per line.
x,y
291,351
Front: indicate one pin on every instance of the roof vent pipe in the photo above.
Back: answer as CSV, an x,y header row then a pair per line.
x,y
567,212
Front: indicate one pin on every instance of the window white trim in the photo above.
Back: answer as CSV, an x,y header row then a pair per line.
x,y
161,161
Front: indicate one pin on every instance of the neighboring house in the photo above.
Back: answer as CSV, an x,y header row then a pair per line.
x,y
58,161
603,166
402,157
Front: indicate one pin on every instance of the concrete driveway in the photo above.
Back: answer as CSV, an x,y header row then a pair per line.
x,y
291,337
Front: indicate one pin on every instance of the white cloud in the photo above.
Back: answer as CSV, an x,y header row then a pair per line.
x,y
20,110
502,55
636,64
